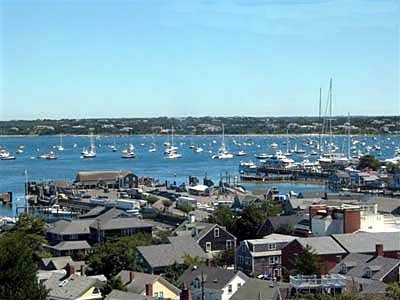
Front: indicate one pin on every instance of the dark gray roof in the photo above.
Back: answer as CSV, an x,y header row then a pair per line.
x,y
138,285
201,228
167,254
95,176
64,227
119,295
57,262
277,221
380,267
258,289
350,261
323,245
215,278
72,288
94,212
124,222
71,245
365,242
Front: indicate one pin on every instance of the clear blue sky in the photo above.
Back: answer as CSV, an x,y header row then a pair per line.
x,y
131,58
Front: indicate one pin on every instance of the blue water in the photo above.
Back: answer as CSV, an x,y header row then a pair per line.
x,y
154,164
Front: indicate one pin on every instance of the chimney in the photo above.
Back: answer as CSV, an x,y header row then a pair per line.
x,y
131,276
70,270
149,290
186,294
379,250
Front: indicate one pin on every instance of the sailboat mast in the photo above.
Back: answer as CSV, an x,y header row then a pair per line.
x,y
319,120
223,135
348,135
330,118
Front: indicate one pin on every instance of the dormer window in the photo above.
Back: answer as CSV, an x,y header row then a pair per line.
x,y
271,246
368,273
343,269
216,232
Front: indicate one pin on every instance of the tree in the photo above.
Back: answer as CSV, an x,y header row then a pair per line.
x,y
287,229
173,272
117,254
369,161
18,269
185,208
167,203
393,291
307,263
225,258
223,216
114,283
33,230
252,218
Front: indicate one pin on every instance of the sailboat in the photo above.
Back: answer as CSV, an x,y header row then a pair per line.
x,y
171,150
223,151
91,153
129,153
331,159
60,147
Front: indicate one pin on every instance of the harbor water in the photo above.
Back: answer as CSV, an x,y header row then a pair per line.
x,y
13,173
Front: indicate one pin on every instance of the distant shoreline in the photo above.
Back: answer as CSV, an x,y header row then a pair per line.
x,y
194,135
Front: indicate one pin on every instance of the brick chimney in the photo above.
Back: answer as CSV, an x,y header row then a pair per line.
x,y
70,270
351,220
131,276
379,250
186,294
149,290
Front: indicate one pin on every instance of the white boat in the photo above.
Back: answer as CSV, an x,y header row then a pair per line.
x,y
171,151
60,147
262,156
49,156
173,155
274,145
129,155
91,153
113,148
223,152
19,151
198,150
153,148
5,155
241,153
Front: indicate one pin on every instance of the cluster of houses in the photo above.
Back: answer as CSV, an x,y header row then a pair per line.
x,y
366,179
357,243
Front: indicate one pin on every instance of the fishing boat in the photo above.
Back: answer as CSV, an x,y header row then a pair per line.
x,y
223,152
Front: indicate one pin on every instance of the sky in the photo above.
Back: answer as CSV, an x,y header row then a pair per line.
x,y
148,58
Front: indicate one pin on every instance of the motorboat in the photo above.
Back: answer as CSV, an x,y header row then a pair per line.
x,y
262,156
241,153
199,150
173,155
5,155
130,154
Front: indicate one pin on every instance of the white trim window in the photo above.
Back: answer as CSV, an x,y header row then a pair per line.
x,y
208,246
271,246
216,232
229,244
273,260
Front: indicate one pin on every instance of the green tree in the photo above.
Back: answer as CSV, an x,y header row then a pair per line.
x,y
33,230
307,263
166,203
285,229
187,208
18,269
369,161
225,258
114,283
173,272
117,254
223,216
393,291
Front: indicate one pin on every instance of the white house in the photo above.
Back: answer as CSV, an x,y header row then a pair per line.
x,y
215,283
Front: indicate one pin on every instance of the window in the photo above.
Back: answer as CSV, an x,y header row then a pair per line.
x,y
208,246
247,261
239,285
273,260
161,295
271,246
229,244
230,288
96,291
216,232
156,294
343,269
240,260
